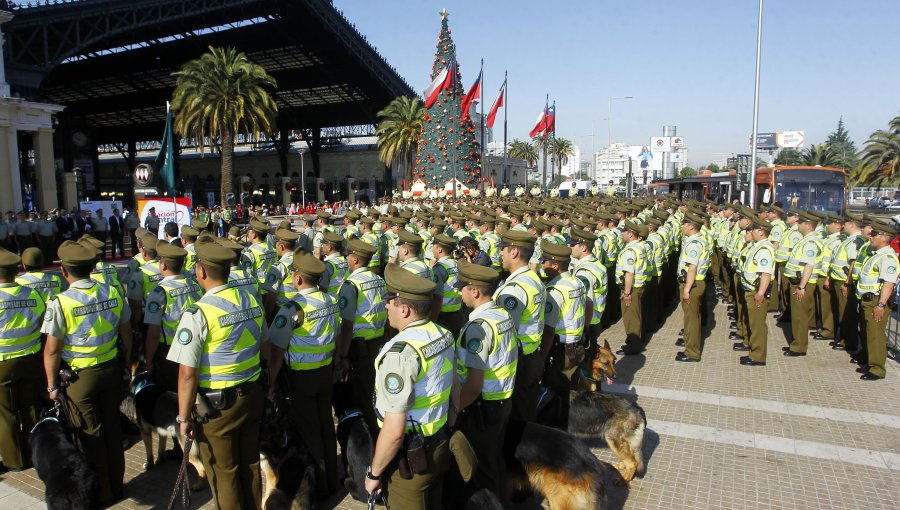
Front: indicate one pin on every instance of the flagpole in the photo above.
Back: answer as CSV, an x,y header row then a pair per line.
x,y
170,138
544,145
506,107
481,85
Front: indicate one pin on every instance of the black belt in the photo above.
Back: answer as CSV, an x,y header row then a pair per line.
x,y
437,437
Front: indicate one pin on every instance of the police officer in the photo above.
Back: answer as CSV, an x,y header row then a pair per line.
x,y
693,264
790,238
188,238
145,278
800,271
486,360
877,279
46,283
841,286
446,271
259,256
564,316
46,233
278,286
413,383
757,280
323,224
490,241
137,260
351,229
218,345
522,295
336,270
306,328
369,236
409,253
163,309
834,225
631,276
21,312
363,317
238,275
83,326
593,275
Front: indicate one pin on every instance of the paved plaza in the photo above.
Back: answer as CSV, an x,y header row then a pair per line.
x,y
800,433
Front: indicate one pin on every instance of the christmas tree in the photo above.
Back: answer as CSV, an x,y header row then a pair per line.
x,y
447,146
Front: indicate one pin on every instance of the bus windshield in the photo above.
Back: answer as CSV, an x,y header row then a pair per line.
x,y
820,190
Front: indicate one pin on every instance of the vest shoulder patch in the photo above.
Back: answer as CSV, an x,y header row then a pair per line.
x,y
397,347
192,309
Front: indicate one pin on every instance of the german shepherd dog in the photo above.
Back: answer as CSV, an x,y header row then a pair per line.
x,y
554,463
154,409
355,440
616,419
289,471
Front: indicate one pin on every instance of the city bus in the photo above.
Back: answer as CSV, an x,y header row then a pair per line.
x,y
804,187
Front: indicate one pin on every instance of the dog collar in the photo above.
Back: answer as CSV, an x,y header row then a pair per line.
x,y
349,413
42,420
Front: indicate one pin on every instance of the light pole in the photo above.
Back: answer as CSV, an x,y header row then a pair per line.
x,y
752,183
609,128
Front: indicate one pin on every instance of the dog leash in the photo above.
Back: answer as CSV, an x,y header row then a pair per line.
x,y
181,483
375,498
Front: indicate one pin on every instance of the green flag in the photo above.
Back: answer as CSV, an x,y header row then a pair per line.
x,y
165,160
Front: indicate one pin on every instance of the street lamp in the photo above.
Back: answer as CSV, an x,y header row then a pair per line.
x,y
609,129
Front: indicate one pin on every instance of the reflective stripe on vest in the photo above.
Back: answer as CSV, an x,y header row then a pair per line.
x,y
419,268
829,247
869,280
372,240
636,249
108,274
749,270
181,292
238,278
284,290
190,261
840,259
500,376
452,300
21,310
434,346
790,237
531,324
150,276
260,258
47,284
702,258
491,241
570,326
371,313
92,324
313,342
598,296
793,267
339,272
231,348
861,258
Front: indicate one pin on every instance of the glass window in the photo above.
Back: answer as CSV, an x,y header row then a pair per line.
x,y
820,190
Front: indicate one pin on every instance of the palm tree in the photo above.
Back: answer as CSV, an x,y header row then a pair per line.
x,y
521,149
398,132
561,149
880,163
821,155
219,95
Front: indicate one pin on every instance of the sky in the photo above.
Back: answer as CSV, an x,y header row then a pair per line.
x,y
690,64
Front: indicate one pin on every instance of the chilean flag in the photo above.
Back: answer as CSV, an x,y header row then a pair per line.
x,y
442,82
550,123
540,125
497,104
473,94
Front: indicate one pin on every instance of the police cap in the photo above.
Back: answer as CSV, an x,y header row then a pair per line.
x,y
690,217
234,231
353,214
407,237
228,243
804,216
9,259
405,284
367,220
477,275
332,237
259,226
76,254
518,238
556,252
214,254
637,228
580,236
884,228
539,225
438,222
308,265
760,224
92,241
286,235
200,224
170,251
323,214
187,230
445,240
361,248
31,257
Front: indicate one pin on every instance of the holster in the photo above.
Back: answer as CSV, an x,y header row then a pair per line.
x,y
416,456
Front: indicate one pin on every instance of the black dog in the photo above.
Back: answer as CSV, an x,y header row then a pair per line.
x,y
285,462
356,442
70,481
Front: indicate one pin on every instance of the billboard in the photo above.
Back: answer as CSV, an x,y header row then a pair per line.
x,y
677,142
661,143
106,205
766,141
166,210
791,139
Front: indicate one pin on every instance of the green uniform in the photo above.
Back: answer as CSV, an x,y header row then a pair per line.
x,y
877,271
488,342
306,328
695,252
85,318
842,281
827,305
414,375
760,260
446,271
807,251
258,258
165,305
564,312
593,275
220,335
21,369
631,260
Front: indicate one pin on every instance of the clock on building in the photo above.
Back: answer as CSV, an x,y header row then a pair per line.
x,y
79,139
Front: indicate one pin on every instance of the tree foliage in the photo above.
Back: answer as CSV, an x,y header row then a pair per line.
x,y
521,149
398,132
713,168
845,153
561,149
219,95
822,155
687,171
880,162
789,157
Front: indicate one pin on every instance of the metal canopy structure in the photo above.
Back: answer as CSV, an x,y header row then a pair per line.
x,y
110,62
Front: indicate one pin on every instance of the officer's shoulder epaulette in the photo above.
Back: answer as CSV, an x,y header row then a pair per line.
x,y
192,309
397,347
